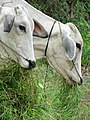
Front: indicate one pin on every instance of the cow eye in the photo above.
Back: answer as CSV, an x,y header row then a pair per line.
x,y
78,45
22,28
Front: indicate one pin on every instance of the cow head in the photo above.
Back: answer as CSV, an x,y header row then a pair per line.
x,y
16,31
66,51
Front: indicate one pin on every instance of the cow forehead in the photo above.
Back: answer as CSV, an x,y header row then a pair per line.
x,y
20,14
7,11
73,32
12,10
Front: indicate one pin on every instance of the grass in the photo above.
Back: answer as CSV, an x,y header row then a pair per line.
x,y
40,94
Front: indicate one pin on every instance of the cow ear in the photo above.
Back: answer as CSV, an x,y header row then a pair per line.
x,y
8,22
70,47
39,30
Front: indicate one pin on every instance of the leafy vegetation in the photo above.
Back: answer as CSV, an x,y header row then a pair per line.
x,y
41,94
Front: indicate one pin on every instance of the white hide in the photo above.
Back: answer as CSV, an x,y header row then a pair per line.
x,y
57,56
16,31
59,52
11,18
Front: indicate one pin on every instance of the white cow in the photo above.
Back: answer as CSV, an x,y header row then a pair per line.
x,y
65,45
64,49
16,35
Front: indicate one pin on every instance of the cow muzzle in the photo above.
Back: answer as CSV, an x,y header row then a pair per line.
x,y
81,81
27,64
32,64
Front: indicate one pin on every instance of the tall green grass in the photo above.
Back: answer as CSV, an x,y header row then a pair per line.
x,y
40,94
17,91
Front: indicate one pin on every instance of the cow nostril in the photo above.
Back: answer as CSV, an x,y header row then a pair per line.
x,y
81,81
32,64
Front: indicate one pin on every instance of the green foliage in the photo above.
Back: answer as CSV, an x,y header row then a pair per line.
x,y
85,31
17,90
63,10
